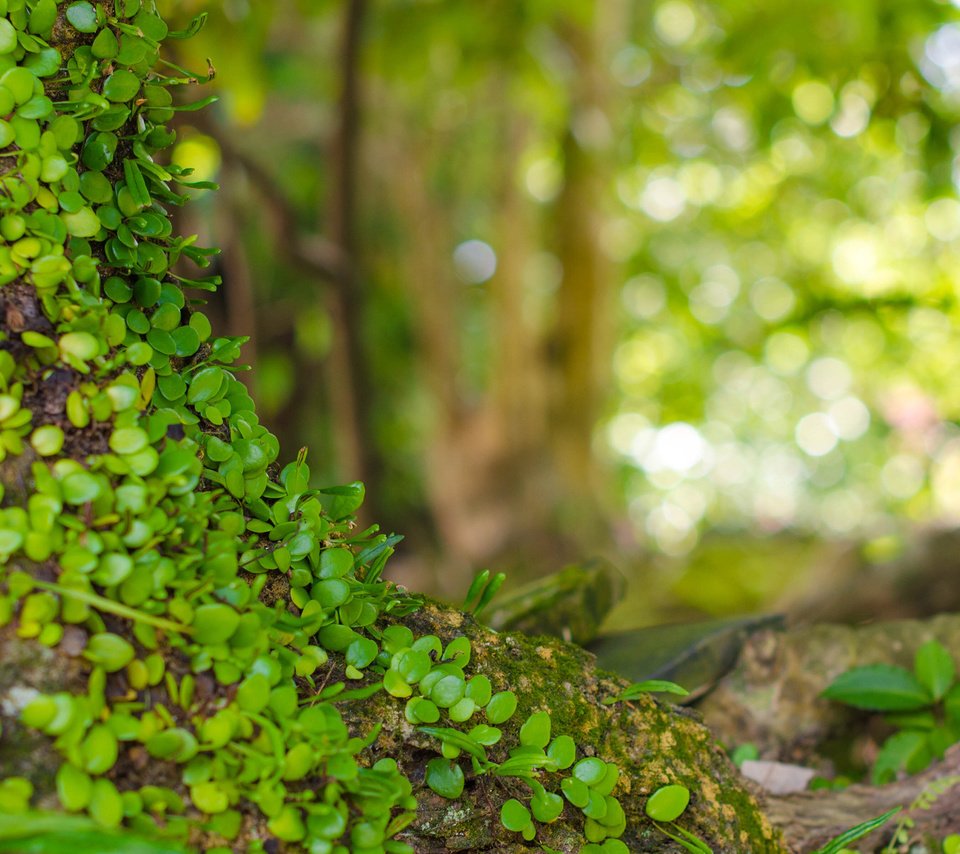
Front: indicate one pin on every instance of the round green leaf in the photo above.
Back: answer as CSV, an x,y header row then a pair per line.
x,y
668,803
121,86
535,731
546,806
590,770
479,689
105,46
128,440
445,777
575,791
74,787
394,684
362,652
80,487
462,710
501,707
82,16
420,710
8,37
447,691
563,751
47,440
209,797
99,750
514,815
254,693
214,622
20,83
335,562
106,805
110,651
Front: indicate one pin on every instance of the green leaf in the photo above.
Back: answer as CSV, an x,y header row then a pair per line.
x,y
934,668
514,815
214,623
668,803
501,707
82,16
445,777
457,739
590,770
135,183
546,806
476,587
879,687
38,832
907,750
563,751
110,651
535,731
855,833
121,86
648,686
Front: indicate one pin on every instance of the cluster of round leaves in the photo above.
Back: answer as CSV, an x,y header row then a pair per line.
x,y
444,690
155,514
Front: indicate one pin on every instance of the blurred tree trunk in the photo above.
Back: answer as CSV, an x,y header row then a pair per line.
x,y
348,373
510,464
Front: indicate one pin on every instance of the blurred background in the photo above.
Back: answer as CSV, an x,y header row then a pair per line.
x,y
669,282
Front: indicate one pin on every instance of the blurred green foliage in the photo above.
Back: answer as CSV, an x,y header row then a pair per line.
x,y
777,207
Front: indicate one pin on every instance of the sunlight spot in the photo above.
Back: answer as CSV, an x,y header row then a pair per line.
x,y
903,475
702,182
858,256
675,22
663,199
815,435
199,153
475,261
941,58
942,218
786,353
772,299
543,179
672,528
623,429
678,447
842,511
829,378
710,301
813,101
849,418
853,116
733,129
631,66
644,296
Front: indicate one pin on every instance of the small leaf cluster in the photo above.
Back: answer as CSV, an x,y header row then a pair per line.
x,y
588,787
923,704
667,804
